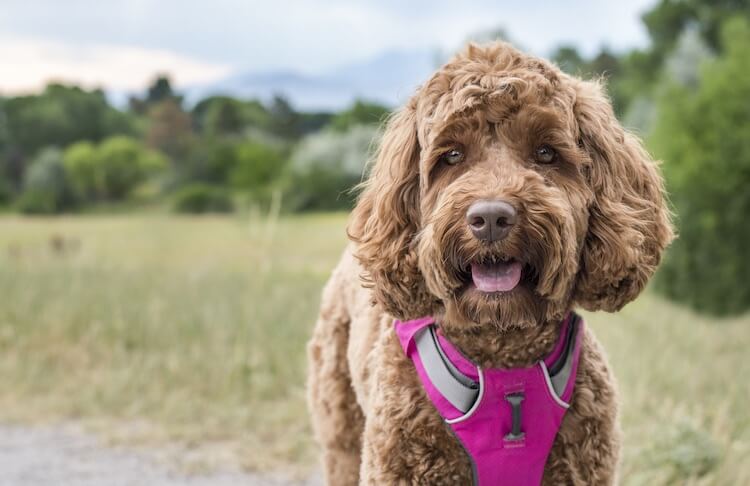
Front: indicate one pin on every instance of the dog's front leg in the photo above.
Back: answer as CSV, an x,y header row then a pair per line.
x,y
336,417
405,440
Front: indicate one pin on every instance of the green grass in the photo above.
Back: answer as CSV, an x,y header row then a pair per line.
x,y
157,329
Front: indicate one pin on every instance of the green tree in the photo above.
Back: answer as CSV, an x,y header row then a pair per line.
x,y
361,113
59,116
703,135
222,115
569,60
159,90
669,18
255,169
284,118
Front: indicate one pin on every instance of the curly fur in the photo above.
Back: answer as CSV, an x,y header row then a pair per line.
x,y
591,231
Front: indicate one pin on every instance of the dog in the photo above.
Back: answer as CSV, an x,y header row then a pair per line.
x,y
503,195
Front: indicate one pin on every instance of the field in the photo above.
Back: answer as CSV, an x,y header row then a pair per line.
x,y
154,330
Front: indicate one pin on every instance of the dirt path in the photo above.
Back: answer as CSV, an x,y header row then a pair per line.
x,y
65,456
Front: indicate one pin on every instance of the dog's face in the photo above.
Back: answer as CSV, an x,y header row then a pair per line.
x,y
505,192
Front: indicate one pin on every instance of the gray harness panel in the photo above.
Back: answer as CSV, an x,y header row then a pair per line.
x,y
462,391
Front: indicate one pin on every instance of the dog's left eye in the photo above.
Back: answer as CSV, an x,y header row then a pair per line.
x,y
452,157
545,154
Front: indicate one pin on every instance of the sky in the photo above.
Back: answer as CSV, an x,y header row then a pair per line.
x,y
122,44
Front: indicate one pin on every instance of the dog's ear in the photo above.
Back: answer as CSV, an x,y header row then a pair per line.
x,y
386,220
629,223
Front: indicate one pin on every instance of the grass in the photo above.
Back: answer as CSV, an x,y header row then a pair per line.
x,y
158,329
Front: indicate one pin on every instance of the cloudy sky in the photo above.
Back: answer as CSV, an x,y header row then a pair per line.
x,y
121,44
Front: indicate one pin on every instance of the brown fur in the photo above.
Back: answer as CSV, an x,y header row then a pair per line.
x,y
591,231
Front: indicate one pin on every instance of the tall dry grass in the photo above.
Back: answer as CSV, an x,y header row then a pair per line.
x,y
155,329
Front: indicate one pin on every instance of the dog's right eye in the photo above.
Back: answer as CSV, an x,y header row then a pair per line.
x,y
452,157
545,154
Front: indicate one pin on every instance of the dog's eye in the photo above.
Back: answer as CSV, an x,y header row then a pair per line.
x,y
545,154
452,157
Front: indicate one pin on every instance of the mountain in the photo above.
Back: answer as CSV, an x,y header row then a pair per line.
x,y
388,78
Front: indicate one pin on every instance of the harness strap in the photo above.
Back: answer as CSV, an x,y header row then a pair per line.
x,y
460,390
560,370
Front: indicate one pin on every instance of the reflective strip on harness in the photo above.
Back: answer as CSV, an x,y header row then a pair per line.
x,y
460,390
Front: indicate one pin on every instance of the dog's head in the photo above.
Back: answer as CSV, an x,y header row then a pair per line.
x,y
505,192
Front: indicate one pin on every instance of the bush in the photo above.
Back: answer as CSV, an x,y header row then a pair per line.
x,y
255,168
325,166
45,188
702,134
111,170
6,191
203,198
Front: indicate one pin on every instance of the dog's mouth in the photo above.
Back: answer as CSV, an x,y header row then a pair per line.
x,y
494,274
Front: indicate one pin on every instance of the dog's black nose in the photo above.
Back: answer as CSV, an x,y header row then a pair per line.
x,y
491,220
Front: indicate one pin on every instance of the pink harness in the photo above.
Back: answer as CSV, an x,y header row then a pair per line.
x,y
506,419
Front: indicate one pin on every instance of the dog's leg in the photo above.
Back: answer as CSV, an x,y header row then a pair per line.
x,y
405,440
587,447
336,417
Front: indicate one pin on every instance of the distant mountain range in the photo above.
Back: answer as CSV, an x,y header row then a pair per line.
x,y
389,78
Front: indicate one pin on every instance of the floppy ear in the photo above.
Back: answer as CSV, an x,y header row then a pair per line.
x,y
386,220
629,223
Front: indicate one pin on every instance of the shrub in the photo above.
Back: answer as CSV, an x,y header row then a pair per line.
x,y
45,188
325,166
255,167
702,135
111,170
203,198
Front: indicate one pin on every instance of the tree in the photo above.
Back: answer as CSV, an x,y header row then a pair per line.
x,y
59,116
569,60
669,18
169,129
222,115
283,118
158,91
703,135
256,167
361,113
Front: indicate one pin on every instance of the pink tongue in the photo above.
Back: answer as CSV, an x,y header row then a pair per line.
x,y
496,277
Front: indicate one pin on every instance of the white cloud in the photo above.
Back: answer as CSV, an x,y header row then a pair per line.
x,y
28,64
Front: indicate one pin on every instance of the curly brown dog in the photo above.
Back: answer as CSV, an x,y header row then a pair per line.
x,y
500,163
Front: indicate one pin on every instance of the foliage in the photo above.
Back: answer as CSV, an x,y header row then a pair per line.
x,y
169,129
111,170
703,135
60,116
255,169
326,166
46,189
223,116
203,198
159,91
361,113
289,124
669,18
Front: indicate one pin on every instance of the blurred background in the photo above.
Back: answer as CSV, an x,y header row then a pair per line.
x,y
174,181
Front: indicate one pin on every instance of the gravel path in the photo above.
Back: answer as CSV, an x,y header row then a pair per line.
x,y
65,456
